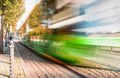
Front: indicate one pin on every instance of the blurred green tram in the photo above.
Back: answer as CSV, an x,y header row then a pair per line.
x,y
101,50
77,49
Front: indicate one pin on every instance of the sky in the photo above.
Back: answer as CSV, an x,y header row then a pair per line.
x,y
29,5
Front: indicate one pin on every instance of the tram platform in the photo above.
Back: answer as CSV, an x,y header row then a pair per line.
x,y
30,65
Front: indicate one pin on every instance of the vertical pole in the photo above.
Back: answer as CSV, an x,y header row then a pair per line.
x,y
1,34
11,59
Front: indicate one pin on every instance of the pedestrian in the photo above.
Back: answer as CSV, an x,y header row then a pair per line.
x,y
10,38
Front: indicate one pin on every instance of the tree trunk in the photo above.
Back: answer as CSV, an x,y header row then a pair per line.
x,y
1,34
6,38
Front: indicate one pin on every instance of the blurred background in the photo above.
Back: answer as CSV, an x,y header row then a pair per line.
x,y
78,32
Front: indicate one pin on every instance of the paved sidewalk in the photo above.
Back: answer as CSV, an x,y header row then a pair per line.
x,y
5,65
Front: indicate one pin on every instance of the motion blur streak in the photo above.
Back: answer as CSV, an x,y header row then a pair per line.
x,y
86,33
